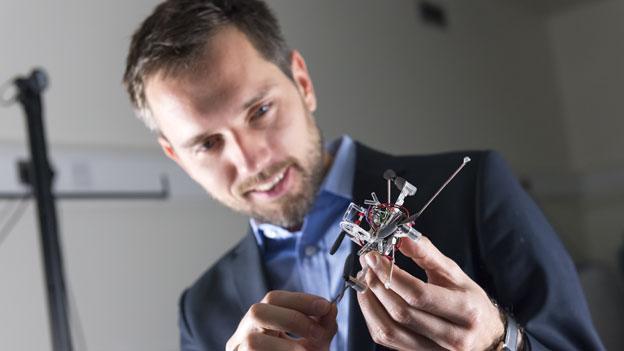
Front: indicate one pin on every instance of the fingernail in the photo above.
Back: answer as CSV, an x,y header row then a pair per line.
x,y
361,273
363,262
320,306
372,259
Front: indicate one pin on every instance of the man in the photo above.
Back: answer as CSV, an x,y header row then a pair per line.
x,y
233,106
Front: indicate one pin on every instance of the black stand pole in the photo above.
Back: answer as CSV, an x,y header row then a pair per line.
x,y
41,180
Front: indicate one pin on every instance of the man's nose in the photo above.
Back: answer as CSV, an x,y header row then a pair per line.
x,y
250,153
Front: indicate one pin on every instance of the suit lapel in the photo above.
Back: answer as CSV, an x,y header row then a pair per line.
x,y
248,272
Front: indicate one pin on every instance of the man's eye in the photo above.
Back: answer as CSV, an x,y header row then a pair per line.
x,y
207,145
262,110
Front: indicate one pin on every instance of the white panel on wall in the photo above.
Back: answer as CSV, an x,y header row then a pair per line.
x,y
101,171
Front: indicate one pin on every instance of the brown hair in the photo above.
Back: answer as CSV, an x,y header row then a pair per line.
x,y
173,36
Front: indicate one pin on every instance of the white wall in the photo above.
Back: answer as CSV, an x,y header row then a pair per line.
x,y
126,261
382,76
82,45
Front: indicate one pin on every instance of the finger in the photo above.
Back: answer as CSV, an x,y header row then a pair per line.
x,y
439,301
429,258
329,324
310,305
260,341
299,307
386,331
262,316
328,321
439,330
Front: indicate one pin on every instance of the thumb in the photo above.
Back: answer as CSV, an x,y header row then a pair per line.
x,y
328,321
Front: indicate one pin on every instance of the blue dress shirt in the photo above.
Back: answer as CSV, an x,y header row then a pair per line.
x,y
300,261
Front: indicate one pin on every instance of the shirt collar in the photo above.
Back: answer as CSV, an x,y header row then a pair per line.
x,y
338,181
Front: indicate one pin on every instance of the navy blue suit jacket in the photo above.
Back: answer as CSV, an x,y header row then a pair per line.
x,y
483,220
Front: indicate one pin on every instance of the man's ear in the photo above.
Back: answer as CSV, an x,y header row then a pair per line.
x,y
168,149
302,79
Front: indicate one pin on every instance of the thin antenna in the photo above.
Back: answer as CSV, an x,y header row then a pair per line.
x,y
417,214
466,160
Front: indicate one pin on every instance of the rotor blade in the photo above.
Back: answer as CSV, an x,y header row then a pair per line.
x,y
337,243
409,219
391,226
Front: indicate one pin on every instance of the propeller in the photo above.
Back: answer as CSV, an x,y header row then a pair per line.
x,y
337,243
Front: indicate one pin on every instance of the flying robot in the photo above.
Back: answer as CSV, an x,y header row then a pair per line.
x,y
380,226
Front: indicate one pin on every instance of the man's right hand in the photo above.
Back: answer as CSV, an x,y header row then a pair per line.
x,y
265,326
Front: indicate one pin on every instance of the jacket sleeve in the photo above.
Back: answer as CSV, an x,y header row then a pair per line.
x,y
532,274
186,337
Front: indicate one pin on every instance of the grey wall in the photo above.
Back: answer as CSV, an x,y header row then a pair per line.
x,y
386,78
589,59
502,76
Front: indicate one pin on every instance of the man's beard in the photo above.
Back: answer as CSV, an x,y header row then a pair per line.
x,y
293,207
290,210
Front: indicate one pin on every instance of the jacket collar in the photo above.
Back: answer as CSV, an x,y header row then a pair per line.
x,y
248,272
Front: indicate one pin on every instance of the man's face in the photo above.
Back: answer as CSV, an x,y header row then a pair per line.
x,y
242,129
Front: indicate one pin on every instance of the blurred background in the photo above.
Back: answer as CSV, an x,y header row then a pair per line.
x,y
540,81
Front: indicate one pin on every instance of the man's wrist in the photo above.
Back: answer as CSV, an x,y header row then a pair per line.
x,y
512,336
500,335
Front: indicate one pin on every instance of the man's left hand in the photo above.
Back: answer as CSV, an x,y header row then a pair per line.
x,y
449,311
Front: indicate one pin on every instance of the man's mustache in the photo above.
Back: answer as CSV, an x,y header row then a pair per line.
x,y
267,173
